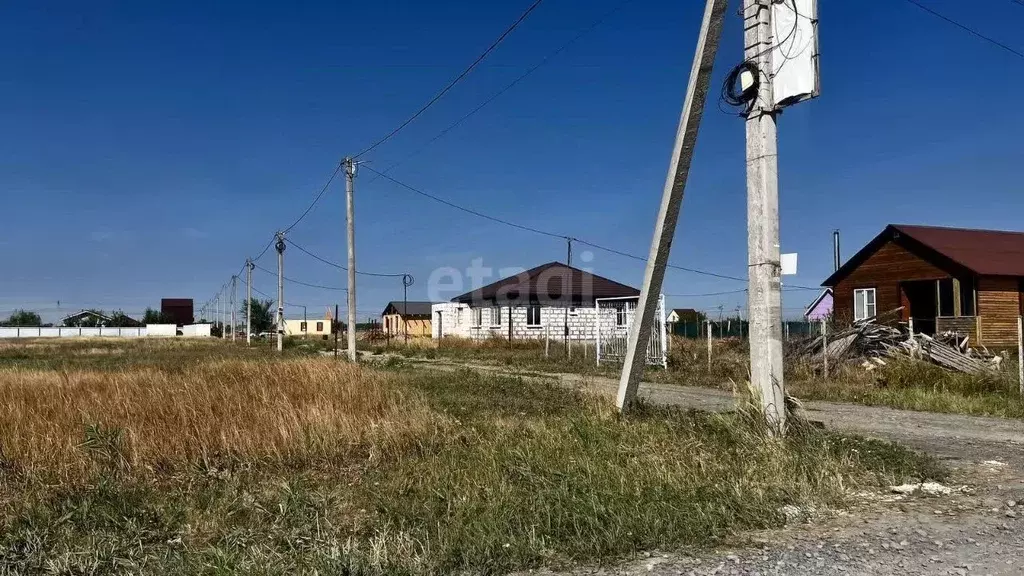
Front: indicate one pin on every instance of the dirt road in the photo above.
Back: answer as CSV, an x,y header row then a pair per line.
x,y
978,529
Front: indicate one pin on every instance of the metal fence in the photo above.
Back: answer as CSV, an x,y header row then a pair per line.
x,y
736,328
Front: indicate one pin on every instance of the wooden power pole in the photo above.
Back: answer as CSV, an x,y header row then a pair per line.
x,y
671,201
763,254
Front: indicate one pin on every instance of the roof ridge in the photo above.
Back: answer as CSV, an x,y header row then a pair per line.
x,y
956,229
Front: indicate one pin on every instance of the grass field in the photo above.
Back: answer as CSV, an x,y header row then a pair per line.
x,y
903,383
179,457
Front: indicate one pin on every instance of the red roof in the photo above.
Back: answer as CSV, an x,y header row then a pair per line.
x,y
986,252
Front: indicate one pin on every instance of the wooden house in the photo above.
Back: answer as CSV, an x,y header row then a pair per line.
x,y
968,281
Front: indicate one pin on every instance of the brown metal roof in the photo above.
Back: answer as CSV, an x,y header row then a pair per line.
x,y
552,283
957,250
418,308
986,252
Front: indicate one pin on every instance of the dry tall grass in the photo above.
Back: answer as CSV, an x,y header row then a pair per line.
x,y
295,412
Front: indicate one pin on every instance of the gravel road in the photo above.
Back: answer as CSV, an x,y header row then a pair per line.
x,y
978,529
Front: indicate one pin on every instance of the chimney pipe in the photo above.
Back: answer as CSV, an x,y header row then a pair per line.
x,y
836,261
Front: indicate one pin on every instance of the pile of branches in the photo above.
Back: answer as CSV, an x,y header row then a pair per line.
x,y
869,341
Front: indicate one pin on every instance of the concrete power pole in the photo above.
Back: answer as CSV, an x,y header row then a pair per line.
x,y
763,260
280,245
248,301
671,201
350,177
234,304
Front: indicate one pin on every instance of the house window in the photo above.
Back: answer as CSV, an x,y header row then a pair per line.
x,y
533,316
302,326
863,303
621,314
478,317
496,316
319,326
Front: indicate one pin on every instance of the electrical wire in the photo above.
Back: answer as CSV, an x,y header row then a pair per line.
x,y
968,29
300,282
466,210
509,86
455,81
552,234
339,266
315,200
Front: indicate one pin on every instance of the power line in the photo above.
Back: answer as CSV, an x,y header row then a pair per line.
x,y
457,79
466,210
339,266
968,29
300,282
512,84
546,233
315,200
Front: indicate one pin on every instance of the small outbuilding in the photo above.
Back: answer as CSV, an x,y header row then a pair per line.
x,y
413,318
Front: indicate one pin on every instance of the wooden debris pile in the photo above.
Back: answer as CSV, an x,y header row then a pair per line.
x,y
871,341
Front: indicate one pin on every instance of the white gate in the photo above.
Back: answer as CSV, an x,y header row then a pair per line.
x,y
613,320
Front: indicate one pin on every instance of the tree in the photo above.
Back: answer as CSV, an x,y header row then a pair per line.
x,y
23,318
262,317
119,319
152,316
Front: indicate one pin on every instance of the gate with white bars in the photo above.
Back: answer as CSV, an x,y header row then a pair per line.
x,y
615,317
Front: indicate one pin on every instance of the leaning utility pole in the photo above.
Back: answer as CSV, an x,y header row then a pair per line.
x,y
671,201
234,303
280,290
248,301
764,291
350,176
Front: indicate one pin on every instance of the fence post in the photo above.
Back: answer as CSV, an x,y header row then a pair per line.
x,y
547,339
1020,353
709,345
910,326
787,331
824,345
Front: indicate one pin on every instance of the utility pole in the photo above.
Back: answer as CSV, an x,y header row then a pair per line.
x,y
248,301
568,303
763,254
280,245
234,303
350,177
407,281
671,201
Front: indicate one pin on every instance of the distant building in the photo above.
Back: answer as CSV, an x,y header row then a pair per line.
x,y
314,328
87,318
821,307
537,302
178,310
688,315
407,317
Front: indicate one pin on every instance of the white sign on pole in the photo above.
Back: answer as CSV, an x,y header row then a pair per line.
x,y
795,57
788,264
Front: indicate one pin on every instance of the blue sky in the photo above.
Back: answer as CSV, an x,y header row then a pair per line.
x,y
147,148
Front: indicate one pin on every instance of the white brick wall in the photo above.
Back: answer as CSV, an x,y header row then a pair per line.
x,y
458,320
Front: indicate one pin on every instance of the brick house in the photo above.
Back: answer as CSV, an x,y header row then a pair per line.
x,y
539,302
943,278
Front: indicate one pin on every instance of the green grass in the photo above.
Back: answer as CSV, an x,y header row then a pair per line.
x,y
902,383
910,384
470,473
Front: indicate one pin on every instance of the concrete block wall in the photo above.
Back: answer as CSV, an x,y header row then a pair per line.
x,y
459,320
